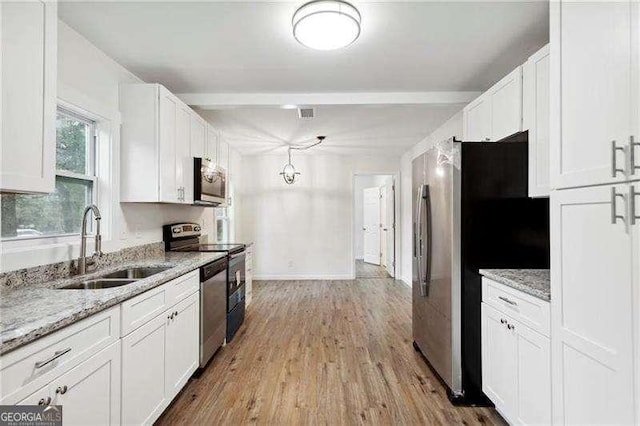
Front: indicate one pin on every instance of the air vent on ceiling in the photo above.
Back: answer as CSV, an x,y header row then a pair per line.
x,y
306,113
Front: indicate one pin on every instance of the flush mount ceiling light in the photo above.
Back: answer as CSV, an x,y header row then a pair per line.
x,y
326,24
289,172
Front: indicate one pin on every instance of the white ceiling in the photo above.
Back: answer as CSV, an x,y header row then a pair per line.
x,y
350,129
230,47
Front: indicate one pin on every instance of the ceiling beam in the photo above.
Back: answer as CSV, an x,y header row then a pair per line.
x,y
229,100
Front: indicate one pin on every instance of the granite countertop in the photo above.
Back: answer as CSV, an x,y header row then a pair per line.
x,y
535,282
29,312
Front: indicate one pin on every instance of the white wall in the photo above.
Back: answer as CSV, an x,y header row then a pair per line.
x,y
452,127
304,230
360,183
88,78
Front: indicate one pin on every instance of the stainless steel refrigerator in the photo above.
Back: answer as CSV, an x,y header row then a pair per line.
x,y
471,210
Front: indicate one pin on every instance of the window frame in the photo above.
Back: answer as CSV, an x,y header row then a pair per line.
x,y
90,159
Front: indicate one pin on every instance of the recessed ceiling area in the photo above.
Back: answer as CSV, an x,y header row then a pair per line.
x,y
232,47
350,129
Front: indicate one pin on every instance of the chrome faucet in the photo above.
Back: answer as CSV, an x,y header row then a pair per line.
x,y
82,261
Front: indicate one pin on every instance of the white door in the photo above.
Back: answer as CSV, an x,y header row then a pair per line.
x,y
168,106
28,44
535,101
477,120
592,88
143,372
534,376
90,393
506,105
499,360
182,344
591,308
384,227
371,225
184,162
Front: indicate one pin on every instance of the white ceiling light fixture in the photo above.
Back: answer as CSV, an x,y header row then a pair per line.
x,y
289,172
326,24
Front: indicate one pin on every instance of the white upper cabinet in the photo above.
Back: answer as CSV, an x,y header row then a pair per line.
x,y
198,136
594,54
535,105
158,132
506,106
477,120
211,151
497,113
592,288
29,56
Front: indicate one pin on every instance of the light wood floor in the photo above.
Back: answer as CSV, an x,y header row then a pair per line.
x,y
367,270
322,352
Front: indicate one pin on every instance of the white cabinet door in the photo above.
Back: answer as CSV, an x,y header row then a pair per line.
x,y
211,151
535,102
198,135
90,393
477,120
183,334
40,397
506,106
168,110
591,307
534,376
184,164
635,256
29,56
592,74
143,373
223,154
499,360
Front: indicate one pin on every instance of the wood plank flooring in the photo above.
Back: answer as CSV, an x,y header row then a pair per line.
x,y
322,352
367,270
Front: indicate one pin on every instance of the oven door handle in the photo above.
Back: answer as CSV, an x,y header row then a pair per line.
x,y
235,256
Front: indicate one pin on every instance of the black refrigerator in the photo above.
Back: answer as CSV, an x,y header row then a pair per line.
x,y
471,210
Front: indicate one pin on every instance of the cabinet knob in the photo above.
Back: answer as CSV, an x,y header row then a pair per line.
x,y
170,316
45,401
61,389
503,321
175,313
511,327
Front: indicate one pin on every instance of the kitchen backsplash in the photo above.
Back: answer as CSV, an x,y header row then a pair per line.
x,y
60,270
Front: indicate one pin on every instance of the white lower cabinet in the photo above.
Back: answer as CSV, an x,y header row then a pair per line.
x,y
158,359
182,344
516,362
101,378
143,372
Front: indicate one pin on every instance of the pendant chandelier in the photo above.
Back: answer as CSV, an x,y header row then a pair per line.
x,y
289,172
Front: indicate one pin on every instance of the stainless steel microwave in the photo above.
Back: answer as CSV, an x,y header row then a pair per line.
x,y
209,183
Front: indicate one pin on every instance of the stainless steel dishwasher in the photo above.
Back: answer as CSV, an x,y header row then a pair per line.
x,y
213,308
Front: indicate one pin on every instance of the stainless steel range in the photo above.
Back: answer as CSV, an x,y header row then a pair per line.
x,y
186,237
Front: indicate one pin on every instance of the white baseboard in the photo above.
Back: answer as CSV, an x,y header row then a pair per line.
x,y
405,282
301,277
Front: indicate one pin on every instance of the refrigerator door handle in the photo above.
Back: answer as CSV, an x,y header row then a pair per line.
x,y
419,238
427,202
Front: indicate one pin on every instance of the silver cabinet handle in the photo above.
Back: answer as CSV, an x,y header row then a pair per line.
x,y
503,321
61,389
614,152
45,401
511,326
170,316
55,356
632,155
509,301
632,202
176,313
614,215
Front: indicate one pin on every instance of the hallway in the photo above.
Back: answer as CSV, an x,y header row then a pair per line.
x,y
322,352
368,270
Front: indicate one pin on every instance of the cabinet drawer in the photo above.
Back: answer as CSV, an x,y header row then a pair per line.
x,y
26,369
182,287
143,308
529,310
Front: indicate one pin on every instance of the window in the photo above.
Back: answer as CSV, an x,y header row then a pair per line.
x,y
58,213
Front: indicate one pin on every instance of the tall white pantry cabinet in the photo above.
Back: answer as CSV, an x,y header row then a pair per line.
x,y
595,212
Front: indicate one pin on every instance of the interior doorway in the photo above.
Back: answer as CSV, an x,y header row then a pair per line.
x,y
374,226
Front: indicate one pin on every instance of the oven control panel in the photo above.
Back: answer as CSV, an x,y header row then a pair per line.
x,y
182,230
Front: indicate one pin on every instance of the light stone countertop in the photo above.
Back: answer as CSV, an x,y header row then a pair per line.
x,y
535,282
30,312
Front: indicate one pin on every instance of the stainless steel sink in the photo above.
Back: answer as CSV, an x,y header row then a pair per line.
x,y
116,279
96,284
136,273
